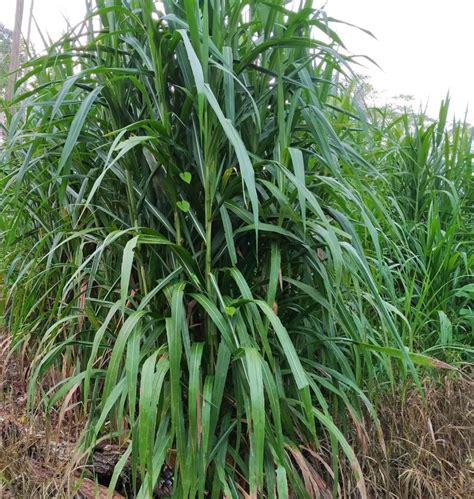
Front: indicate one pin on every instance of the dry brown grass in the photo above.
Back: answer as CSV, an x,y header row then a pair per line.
x,y
37,458
429,444
28,468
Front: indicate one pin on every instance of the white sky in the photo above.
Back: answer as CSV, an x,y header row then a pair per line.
x,y
424,47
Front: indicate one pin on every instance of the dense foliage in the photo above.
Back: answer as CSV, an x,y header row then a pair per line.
x,y
223,252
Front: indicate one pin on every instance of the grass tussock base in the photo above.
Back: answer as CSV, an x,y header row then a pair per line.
x,y
426,452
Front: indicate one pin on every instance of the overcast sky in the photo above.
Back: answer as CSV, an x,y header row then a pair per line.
x,y
424,47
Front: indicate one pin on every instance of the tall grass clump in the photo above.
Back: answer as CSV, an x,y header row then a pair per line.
x,y
428,227
204,237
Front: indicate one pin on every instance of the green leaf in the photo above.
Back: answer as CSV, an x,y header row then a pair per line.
x,y
230,310
186,177
76,127
183,205
127,263
257,404
416,358
287,346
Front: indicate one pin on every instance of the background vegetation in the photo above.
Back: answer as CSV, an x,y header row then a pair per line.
x,y
224,256
5,48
